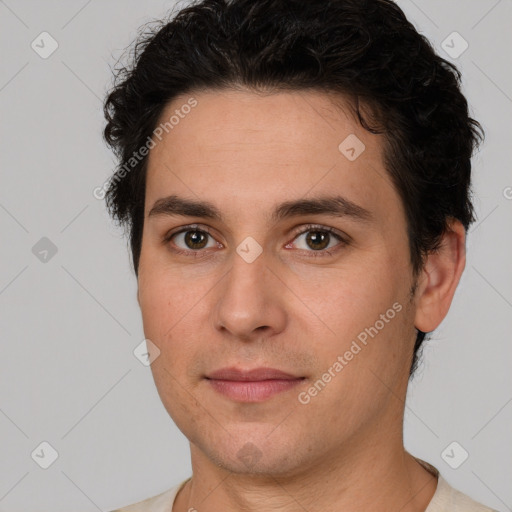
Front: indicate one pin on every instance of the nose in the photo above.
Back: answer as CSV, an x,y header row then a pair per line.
x,y
251,300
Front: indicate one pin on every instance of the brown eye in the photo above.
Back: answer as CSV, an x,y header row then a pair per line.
x,y
195,239
318,239
192,239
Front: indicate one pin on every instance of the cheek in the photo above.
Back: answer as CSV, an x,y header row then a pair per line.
x,y
154,304
168,320
352,296
164,297
365,309
174,311
368,356
177,395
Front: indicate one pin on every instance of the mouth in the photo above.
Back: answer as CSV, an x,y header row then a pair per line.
x,y
256,385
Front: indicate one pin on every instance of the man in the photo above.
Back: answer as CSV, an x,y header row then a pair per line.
x,y
295,179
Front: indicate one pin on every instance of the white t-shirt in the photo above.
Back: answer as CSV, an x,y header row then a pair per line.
x,y
445,499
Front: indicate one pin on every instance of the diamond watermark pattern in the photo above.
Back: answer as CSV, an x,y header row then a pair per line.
x,y
146,352
454,45
44,250
352,147
249,454
249,249
44,455
44,45
454,455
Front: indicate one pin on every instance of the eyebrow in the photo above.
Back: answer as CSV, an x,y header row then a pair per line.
x,y
335,206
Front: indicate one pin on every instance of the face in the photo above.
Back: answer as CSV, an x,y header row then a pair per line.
x,y
297,261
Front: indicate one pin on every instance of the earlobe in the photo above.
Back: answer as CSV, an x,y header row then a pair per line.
x,y
440,277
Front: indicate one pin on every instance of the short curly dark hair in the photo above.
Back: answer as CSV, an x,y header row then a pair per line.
x,y
366,50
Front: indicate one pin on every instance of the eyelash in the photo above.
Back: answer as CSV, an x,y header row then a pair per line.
x,y
309,227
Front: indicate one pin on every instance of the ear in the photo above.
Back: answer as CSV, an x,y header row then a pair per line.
x,y
440,277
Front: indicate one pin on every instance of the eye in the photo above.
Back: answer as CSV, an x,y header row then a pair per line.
x,y
191,239
318,239
314,239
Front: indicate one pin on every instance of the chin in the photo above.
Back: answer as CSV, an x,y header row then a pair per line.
x,y
255,453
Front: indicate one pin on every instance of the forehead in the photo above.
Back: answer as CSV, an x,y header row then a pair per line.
x,y
241,147
311,119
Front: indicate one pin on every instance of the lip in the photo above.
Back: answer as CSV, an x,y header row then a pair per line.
x,y
254,385
254,375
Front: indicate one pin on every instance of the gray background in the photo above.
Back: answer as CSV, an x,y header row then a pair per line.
x,y
69,324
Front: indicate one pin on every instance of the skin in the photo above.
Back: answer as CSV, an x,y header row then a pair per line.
x,y
246,152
